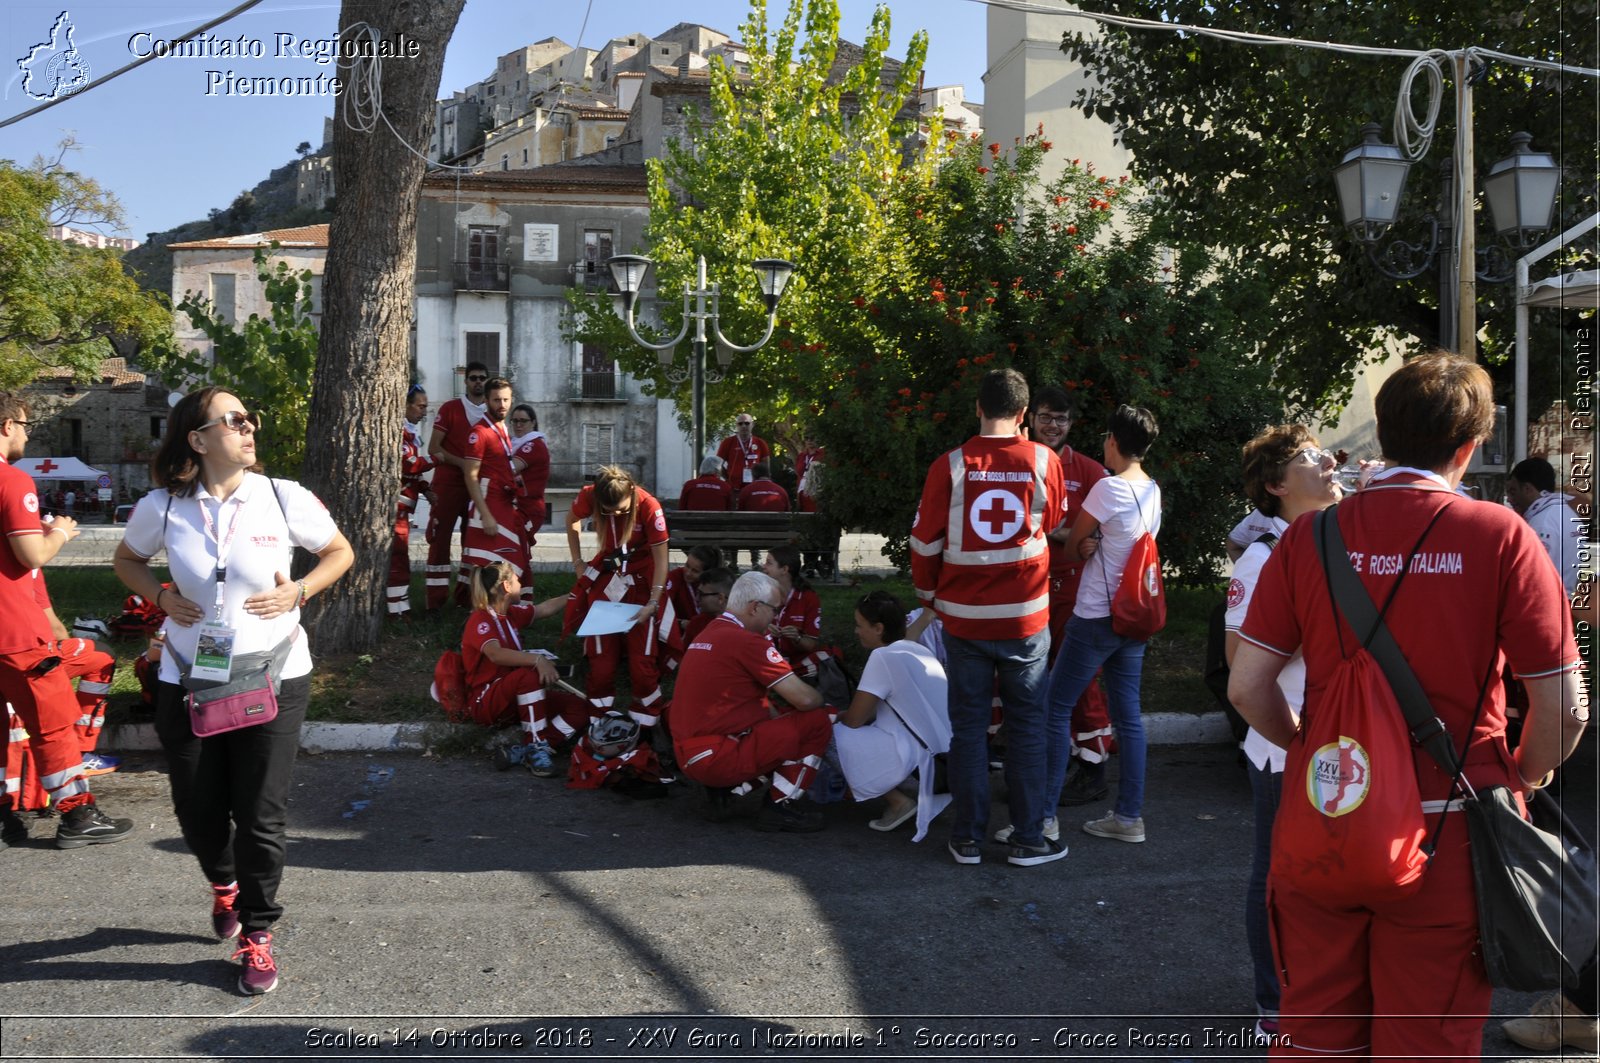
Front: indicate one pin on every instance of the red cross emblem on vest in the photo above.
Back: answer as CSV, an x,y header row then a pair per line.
x,y
997,516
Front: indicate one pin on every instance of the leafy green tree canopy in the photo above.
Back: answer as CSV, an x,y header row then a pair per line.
x,y
795,160
1075,284
1242,142
268,362
62,304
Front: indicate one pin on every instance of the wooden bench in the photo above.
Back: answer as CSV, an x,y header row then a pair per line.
x,y
811,533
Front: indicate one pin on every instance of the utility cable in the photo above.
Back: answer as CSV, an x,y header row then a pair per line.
x,y
97,82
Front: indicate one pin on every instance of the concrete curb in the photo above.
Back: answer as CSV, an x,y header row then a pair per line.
x,y
1161,728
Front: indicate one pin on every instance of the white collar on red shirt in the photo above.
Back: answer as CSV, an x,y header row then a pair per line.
x,y
1437,482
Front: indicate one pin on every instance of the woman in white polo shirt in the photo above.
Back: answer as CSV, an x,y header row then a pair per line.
x,y
229,536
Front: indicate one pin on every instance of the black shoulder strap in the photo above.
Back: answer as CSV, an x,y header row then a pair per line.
x,y
1352,599
1270,538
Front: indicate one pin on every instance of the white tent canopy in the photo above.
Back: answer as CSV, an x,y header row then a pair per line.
x,y
57,469
1580,288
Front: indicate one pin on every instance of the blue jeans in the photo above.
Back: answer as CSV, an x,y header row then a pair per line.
x,y
1267,787
972,667
1092,646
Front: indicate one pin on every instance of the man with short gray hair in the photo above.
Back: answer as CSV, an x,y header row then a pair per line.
x,y
726,733
708,491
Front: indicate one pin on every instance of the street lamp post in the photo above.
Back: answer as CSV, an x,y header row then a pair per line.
x,y
1520,188
629,271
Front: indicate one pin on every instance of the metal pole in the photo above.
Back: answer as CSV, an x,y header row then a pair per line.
x,y
1447,266
698,399
1466,238
697,385
1519,408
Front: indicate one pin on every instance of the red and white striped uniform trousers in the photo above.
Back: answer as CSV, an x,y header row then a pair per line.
x,y
787,750
641,644
414,464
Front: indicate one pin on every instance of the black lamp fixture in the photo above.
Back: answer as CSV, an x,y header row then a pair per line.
x,y
629,272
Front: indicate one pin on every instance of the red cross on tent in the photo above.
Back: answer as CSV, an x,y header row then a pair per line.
x,y
48,466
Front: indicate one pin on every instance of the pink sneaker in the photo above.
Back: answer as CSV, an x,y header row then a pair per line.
x,y
225,911
260,973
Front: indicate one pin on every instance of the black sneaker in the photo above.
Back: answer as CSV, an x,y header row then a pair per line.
x,y
630,785
1043,853
1084,787
719,805
966,851
13,829
799,816
87,825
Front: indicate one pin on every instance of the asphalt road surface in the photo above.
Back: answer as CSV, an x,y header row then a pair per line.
x,y
438,908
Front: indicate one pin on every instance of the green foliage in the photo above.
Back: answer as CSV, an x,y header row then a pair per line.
x,y
917,271
267,362
797,161
1243,140
62,304
1071,285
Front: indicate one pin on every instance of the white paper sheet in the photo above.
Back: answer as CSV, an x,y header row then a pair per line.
x,y
607,618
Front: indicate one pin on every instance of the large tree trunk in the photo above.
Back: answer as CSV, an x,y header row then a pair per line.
x,y
358,395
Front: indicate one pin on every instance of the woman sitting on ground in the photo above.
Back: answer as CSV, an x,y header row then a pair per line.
x,y
797,629
505,683
897,721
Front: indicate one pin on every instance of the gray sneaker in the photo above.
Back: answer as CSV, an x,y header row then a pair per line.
x,y
1109,826
1031,855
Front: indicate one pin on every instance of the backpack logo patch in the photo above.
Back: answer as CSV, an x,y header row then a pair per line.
x,y
1338,777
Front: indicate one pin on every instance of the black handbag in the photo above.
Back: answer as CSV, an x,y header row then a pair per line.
x,y
1537,881
1536,885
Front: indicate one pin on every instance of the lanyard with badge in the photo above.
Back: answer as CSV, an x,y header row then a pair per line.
x,y
213,655
752,454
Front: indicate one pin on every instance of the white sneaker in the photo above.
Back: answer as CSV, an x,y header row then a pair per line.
x,y
1052,830
1551,1024
1109,826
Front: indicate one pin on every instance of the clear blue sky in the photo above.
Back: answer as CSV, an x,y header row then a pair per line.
x,y
171,152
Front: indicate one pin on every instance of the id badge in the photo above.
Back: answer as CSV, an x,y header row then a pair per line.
x,y
749,475
213,655
617,589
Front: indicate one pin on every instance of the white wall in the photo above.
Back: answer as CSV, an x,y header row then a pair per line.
x,y
1030,80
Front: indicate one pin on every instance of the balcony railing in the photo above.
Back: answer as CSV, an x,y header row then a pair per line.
x,y
482,276
598,386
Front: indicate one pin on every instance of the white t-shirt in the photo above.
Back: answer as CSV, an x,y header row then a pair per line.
x,y
1125,510
878,757
1560,530
1292,680
932,635
263,535
1254,525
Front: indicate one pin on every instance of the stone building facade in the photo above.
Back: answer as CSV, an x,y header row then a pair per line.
x,y
497,253
112,423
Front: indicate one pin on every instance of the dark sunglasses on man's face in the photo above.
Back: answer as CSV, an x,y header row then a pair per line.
x,y
475,379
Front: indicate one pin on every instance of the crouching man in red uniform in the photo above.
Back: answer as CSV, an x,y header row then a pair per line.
x,y
726,733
